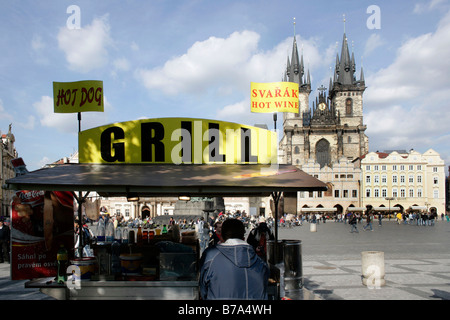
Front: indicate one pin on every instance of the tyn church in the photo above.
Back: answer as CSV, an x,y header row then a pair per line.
x,y
333,128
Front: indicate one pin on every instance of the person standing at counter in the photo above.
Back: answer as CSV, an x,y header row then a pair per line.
x,y
232,269
4,241
259,236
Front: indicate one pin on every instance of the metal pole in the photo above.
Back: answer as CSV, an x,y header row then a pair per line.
x,y
276,198
80,199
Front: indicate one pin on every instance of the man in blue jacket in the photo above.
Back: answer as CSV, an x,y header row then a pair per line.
x,y
232,270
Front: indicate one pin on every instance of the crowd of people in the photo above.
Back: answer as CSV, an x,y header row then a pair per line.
x,y
233,247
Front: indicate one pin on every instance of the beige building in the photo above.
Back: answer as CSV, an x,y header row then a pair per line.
x,y
403,179
343,181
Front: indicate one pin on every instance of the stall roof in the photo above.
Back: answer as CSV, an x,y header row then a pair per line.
x,y
318,209
169,179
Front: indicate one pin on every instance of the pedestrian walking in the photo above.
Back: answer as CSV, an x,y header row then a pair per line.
x,y
353,221
380,217
368,222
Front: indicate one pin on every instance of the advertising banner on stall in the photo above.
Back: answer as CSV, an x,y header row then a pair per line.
x,y
178,140
79,96
274,97
40,223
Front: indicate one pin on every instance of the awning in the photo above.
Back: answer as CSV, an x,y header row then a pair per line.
x,y
349,209
419,208
386,208
318,209
169,179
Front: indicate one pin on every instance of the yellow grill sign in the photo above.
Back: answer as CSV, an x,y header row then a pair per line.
x,y
80,96
274,97
177,140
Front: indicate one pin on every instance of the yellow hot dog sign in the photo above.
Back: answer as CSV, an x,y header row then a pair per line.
x,y
79,96
177,140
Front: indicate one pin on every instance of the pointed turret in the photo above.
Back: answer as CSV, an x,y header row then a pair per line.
x,y
344,73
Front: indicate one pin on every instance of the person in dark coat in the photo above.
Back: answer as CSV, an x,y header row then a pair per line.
x,y
4,241
259,236
232,270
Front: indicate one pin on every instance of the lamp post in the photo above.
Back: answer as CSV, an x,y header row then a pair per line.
x,y
389,199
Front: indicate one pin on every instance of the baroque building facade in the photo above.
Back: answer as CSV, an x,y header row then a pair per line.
x,y
409,180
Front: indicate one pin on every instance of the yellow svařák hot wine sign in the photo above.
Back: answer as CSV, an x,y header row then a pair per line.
x,y
274,97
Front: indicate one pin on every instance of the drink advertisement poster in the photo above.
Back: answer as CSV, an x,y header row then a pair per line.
x,y
41,221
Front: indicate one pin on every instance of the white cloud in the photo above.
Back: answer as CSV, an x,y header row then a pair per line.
x,y
36,43
233,111
3,114
225,63
421,67
86,48
121,64
214,61
226,67
67,122
431,5
61,121
373,42
407,103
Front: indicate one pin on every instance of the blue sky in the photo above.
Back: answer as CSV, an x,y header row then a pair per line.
x,y
197,59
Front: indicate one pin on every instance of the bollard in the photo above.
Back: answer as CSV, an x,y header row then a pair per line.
x,y
313,227
372,267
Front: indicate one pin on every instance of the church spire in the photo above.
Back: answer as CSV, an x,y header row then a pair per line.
x,y
295,69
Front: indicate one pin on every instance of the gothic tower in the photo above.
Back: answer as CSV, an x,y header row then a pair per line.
x,y
346,95
333,128
295,72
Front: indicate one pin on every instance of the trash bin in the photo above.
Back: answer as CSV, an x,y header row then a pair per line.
x,y
271,252
313,227
289,254
292,257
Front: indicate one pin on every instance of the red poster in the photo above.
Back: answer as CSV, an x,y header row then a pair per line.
x,y
40,223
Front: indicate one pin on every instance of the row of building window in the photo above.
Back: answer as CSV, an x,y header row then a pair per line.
x,y
396,167
375,193
337,194
376,179
383,193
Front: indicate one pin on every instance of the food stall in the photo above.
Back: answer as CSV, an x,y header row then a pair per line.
x,y
108,180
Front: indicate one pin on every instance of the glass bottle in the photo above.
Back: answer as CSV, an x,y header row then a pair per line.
x,y
115,260
101,230
139,236
109,232
164,229
62,259
131,238
118,235
145,235
125,235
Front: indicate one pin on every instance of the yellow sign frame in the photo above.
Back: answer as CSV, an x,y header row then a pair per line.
x,y
178,140
78,96
274,97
